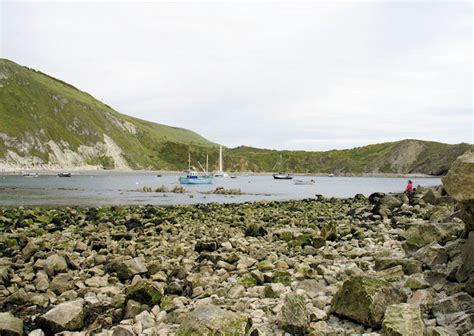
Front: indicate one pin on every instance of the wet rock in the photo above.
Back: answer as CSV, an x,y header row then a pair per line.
x,y
211,320
10,325
67,316
431,196
364,299
145,291
403,319
208,246
294,316
390,202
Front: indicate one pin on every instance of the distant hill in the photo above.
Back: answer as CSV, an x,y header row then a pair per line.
x,y
401,157
46,123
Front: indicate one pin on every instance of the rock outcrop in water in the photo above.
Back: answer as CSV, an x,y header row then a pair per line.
x,y
389,264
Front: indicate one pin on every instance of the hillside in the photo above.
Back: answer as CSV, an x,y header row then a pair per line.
x,y
46,123
49,124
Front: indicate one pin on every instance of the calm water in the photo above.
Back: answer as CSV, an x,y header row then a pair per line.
x,y
87,190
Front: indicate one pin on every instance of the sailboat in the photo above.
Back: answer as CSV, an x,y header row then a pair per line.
x,y
281,175
221,172
193,177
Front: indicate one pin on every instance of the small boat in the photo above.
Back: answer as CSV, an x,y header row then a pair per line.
x,y
193,177
331,175
158,175
233,176
64,175
30,174
282,176
304,182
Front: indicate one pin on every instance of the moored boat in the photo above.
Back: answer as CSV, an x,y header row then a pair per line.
x,y
64,175
30,174
193,177
221,172
282,176
304,182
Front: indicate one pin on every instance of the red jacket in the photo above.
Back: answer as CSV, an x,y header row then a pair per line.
x,y
409,187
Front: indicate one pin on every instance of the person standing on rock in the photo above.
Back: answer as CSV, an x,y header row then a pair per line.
x,y
409,188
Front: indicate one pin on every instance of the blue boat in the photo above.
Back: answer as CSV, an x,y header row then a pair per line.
x,y
193,177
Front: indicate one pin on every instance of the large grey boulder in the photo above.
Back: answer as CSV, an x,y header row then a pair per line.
x,y
456,311
459,183
365,298
432,255
294,317
67,316
212,320
403,319
10,325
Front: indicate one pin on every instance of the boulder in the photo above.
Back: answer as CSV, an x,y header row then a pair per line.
x,y
410,266
403,319
29,250
390,202
294,317
364,299
126,269
459,183
10,325
467,267
145,291
419,235
67,316
432,255
431,196
212,320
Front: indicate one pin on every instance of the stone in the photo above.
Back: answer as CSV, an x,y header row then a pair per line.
x,y
236,291
133,308
41,281
414,283
55,264
126,269
364,299
212,320
61,283
403,319
459,183
294,316
431,196
390,202
467,266
10,325
36,332
431,255
67,316
29,250
410,266
394,273
5,274
145,291
419,235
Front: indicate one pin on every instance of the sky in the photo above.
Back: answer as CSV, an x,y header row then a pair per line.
x,y
281,75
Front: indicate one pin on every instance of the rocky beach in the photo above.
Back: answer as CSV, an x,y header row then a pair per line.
x,y
382,265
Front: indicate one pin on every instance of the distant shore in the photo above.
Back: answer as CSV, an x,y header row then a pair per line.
x,y
168,172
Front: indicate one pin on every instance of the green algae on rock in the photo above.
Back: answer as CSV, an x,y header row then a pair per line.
x,y
364,299
209,320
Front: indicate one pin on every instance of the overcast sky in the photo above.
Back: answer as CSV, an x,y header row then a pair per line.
x,y
310,76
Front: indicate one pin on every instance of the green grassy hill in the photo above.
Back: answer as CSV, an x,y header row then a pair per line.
x,y
46,123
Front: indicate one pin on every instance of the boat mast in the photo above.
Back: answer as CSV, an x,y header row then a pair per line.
x,y
220,160
189,161
207,163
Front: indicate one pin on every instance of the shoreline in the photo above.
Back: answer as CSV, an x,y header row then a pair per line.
x,y
101,172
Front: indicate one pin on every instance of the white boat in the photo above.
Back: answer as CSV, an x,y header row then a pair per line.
x,y
304,182
281,175
30,174
221,172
